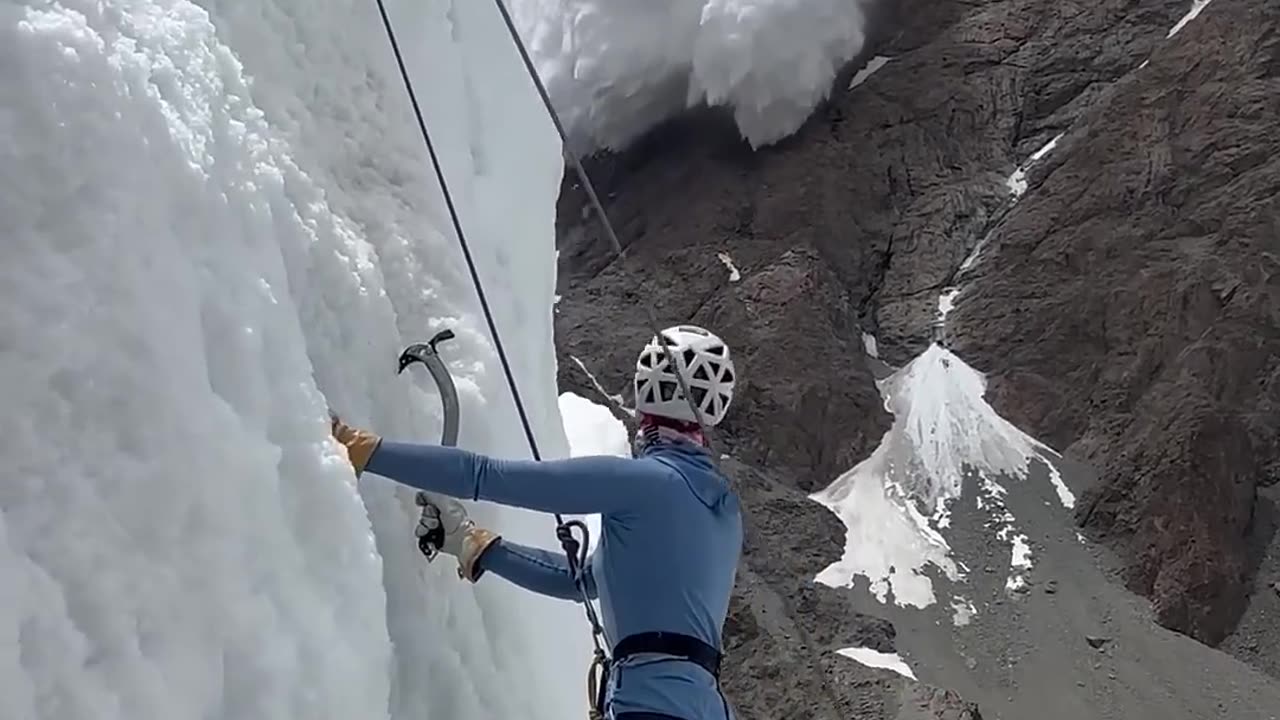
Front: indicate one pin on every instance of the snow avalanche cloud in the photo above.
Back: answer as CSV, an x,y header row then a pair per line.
x,y
615,68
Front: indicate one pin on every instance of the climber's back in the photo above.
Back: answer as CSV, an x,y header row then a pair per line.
x,y
668,566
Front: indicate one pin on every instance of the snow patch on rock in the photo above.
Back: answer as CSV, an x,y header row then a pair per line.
x,y
943,432
879,660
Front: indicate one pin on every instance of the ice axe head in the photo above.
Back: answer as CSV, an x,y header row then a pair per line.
x,y
426,353
419,352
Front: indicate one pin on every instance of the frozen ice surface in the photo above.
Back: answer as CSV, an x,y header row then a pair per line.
x,y
219,221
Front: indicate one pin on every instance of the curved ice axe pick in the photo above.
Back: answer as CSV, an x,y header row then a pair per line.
x,y
427,354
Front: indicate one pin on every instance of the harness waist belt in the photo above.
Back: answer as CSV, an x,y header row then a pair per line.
x,y
669,643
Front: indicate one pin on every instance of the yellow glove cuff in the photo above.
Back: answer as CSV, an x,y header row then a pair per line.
x,y
360,444
475,540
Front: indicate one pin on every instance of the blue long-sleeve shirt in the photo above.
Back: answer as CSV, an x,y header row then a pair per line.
x,y
671,534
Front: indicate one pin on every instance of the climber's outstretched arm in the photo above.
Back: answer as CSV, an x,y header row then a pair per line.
x,y
541,571
580,486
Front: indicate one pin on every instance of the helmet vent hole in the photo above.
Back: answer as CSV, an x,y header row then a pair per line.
x,y
699,394
668,390
689,357
726,376
701,373
717,350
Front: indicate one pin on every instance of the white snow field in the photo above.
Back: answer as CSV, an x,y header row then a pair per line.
x,y
615,68
1017,181
943,433
896,505
1197,7
873,658
218,219
592,430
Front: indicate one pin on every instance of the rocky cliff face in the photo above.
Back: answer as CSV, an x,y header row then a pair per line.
x,y
1121,290
1129,310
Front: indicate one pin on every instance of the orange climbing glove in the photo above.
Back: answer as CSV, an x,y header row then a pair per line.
x,y
360,444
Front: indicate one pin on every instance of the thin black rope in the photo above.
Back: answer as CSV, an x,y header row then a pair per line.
x,y
568,542
457,228
594,200
619,252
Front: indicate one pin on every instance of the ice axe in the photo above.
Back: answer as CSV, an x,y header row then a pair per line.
x,y
427,354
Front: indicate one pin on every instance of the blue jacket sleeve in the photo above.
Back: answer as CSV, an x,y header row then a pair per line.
x,y
541,571
577,486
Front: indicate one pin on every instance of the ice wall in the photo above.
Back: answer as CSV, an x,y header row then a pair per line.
x,y
218,219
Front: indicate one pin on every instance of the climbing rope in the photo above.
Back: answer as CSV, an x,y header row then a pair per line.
x,y
594,200
575,551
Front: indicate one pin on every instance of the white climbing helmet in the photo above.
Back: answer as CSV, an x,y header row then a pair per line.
x,y
702,358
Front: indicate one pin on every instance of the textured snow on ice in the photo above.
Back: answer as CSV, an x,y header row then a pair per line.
x,y
962,611
1020,563
1017,182
974,255
943,432
947,303
734,275
196,267
1065,496
873,65
869,345
1003,525
1197,6
875,659
591,429
888,541
615,68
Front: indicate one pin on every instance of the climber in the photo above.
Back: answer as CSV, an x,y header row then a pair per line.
x,y
671,528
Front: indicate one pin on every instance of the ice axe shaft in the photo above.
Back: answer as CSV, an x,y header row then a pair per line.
x,y
428,354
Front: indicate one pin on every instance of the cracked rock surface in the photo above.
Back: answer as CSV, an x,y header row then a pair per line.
x,y
1129,312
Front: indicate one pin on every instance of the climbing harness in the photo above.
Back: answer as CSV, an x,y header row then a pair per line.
x,y
678,645
575,550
